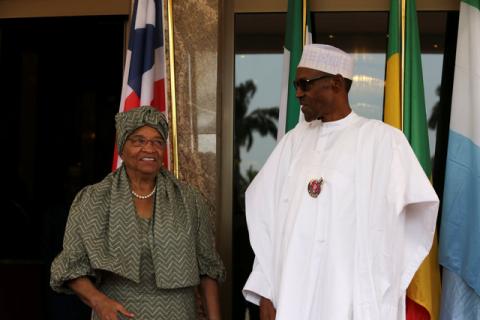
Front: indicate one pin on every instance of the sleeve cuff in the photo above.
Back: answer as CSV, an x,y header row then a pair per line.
x,y
215,271
68,267
257,287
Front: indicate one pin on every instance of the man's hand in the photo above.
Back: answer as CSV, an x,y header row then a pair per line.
x,y
267,310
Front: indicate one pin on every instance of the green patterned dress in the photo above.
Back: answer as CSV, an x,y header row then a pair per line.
x,y
144,299
150,266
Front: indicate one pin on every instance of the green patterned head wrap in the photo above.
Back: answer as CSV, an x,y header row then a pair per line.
x,y
129,121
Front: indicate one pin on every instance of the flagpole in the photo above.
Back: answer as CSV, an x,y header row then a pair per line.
x,y
304,21
402,67
172,88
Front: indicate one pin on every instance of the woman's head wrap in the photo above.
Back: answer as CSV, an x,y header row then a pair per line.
x,y
129,121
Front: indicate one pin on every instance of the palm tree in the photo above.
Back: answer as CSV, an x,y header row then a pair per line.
x,y
262,121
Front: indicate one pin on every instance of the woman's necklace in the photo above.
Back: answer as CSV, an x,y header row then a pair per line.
x,y
136,195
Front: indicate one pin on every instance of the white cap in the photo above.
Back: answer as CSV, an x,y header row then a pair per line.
x,y
327,59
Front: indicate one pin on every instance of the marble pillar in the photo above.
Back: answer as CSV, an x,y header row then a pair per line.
x,y
196,43
196,31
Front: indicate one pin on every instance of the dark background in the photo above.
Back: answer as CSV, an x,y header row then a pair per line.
x,y
60,86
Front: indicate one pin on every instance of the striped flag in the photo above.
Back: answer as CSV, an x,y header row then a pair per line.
x,y
298,32
460,224
392,112
423,294
144,73
424,290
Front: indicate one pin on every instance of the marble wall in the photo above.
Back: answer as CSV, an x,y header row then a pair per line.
x,y
196,38
196,43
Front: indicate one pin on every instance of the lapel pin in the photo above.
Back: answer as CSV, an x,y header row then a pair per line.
x,y
315,187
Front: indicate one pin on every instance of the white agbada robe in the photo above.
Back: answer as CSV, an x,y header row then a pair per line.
x,y
351,252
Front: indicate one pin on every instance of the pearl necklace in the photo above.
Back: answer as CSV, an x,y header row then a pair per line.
x,y
136,195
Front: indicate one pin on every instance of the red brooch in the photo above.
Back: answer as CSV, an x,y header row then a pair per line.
x,y
315,187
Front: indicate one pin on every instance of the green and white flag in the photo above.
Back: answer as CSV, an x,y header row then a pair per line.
x,y
298,32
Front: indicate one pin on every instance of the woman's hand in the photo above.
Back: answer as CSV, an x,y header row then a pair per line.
x,y
267,310
104,307
107,309
210,298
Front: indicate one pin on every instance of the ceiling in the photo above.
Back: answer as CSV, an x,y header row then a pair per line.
x,y
351,31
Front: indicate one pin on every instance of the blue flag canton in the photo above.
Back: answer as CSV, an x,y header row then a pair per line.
x,y
142,44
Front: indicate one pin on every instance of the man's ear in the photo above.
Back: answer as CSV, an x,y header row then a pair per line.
x,y
338,83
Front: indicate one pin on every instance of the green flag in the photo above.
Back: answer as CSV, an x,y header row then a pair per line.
x,y
297,31
424,288
414,113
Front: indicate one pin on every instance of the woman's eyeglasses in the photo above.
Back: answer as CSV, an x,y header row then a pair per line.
x,y
305,84
141,142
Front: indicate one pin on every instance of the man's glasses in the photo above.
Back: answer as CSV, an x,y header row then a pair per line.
x,y
141,142
305,84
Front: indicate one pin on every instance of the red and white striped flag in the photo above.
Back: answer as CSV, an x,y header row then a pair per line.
x,y
144,74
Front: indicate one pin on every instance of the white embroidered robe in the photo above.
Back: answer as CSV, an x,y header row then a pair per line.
x,y
351,252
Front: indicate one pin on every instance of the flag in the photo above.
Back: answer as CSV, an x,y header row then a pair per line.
x,y
423,293
460,222
424,290
144,73
392,113
297,34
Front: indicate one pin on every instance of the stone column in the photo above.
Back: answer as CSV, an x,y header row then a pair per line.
x,y
196,32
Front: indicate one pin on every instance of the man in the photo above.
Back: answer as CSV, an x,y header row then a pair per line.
x,y
341,215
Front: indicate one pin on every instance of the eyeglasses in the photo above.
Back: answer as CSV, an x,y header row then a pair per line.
x,y
305,84
141,142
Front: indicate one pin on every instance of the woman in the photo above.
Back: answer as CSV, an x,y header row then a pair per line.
x,y
138,243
